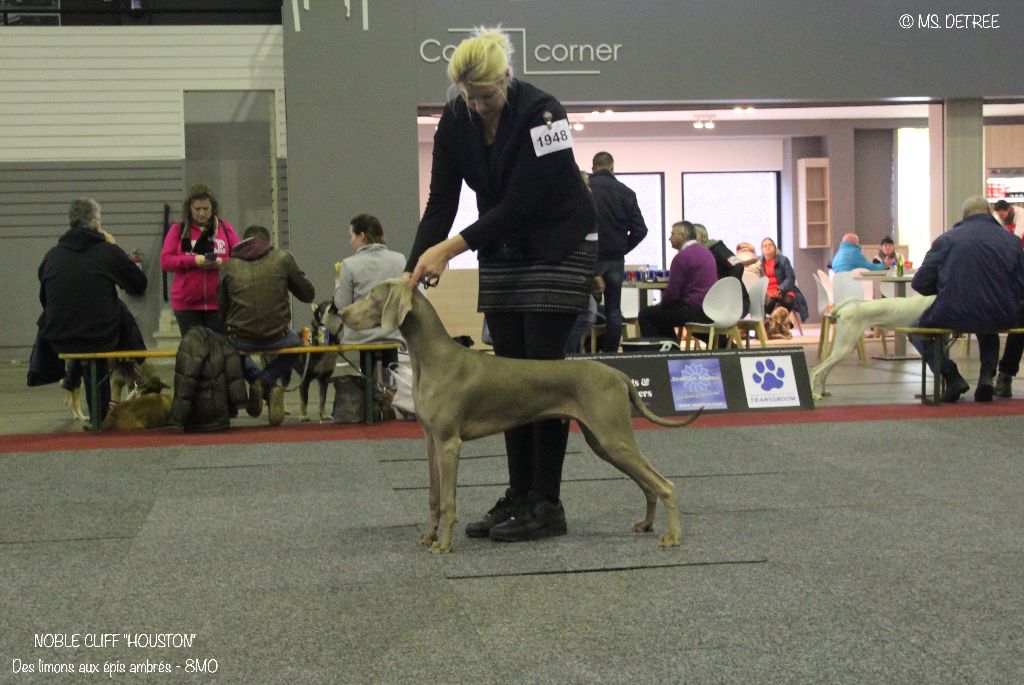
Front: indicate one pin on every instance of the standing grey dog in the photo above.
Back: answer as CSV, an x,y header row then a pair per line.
x,y
464,394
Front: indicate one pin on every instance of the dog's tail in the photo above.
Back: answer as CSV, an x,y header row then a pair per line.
x,y
634,397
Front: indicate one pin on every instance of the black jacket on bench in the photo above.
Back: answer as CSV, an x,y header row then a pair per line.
x,y
208,382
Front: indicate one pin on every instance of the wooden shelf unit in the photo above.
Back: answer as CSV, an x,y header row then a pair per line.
x,y
813,202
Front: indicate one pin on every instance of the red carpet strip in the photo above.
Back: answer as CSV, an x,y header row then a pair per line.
x,y
398,430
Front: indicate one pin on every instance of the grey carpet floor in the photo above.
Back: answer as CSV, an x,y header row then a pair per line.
x,y
887,552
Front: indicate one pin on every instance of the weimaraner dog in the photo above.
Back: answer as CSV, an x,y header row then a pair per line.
x,y
853,317
463,394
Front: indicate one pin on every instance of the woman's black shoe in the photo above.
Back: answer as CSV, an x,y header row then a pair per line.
x,y
534,520
501,511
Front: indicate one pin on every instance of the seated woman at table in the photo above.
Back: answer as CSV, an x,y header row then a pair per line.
x,y
782,289
372,263
886,253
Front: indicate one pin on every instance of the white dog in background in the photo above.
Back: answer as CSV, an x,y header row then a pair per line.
x,y
853,317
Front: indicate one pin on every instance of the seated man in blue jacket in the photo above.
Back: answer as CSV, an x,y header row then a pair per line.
x,y
850,257
976,272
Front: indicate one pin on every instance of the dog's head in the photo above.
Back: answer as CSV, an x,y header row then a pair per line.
x,y
386,306
326,314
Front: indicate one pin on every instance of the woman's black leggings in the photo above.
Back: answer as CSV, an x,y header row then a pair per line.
x,y
535,451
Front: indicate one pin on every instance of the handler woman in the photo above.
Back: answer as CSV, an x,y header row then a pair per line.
x,y
536,245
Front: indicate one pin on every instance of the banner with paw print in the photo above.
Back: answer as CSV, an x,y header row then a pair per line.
x,y
769,381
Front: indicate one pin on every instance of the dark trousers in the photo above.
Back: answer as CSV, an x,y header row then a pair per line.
x,y
207,318
536,451
1010,363
612,271
988,355
660,320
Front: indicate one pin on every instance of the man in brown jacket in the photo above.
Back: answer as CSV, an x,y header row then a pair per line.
x,y
253,297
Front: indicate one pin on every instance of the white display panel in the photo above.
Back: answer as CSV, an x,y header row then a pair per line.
x,y
650,196
734,206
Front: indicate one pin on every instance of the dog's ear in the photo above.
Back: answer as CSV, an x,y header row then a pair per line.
x,y
397,305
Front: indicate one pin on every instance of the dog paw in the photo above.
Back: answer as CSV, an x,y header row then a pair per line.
x,y
643,526
427,537
438,548
670,539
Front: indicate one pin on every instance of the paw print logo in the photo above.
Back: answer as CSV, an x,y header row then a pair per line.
x,y
767,376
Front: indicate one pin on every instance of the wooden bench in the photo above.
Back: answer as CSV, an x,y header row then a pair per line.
x,y
366,353
944,336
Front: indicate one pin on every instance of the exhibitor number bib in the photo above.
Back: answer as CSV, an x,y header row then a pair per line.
x,y
548,139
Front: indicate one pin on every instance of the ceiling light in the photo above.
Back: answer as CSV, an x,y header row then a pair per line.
x,y
577,126
709,124
698,124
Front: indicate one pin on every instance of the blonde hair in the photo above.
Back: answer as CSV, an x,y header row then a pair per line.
x,y
482,59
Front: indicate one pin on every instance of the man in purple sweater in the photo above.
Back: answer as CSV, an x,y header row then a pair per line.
x,y
691,275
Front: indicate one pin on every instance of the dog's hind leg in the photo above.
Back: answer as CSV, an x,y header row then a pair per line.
x,y
324,416
446,455
618,447
73,401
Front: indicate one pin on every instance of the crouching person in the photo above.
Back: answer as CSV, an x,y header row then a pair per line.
x,y
253,299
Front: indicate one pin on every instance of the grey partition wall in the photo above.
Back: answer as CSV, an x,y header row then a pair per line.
x,y
34,200
356,75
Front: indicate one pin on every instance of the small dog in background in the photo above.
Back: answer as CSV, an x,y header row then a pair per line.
x,y
777,325
130,379
319,366
151,410
144,406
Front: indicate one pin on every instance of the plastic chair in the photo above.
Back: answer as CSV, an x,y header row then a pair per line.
x,y
825,311
844,289
758,290
723,304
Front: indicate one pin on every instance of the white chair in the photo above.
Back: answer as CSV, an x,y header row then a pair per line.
x,y
750,280
845,289
825,311
758,291
723,304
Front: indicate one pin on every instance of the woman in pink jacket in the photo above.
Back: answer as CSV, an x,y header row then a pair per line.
x,y
194,256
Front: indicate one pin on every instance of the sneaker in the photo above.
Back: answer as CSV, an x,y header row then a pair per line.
x,y
500,512
983,393
532,521
257,389
276,403
1004,381
955,386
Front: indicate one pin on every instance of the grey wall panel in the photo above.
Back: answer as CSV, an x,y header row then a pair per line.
x,y
34,199
874,168
282,202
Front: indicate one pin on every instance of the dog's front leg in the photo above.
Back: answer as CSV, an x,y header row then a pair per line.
x,y
428,536
447,458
